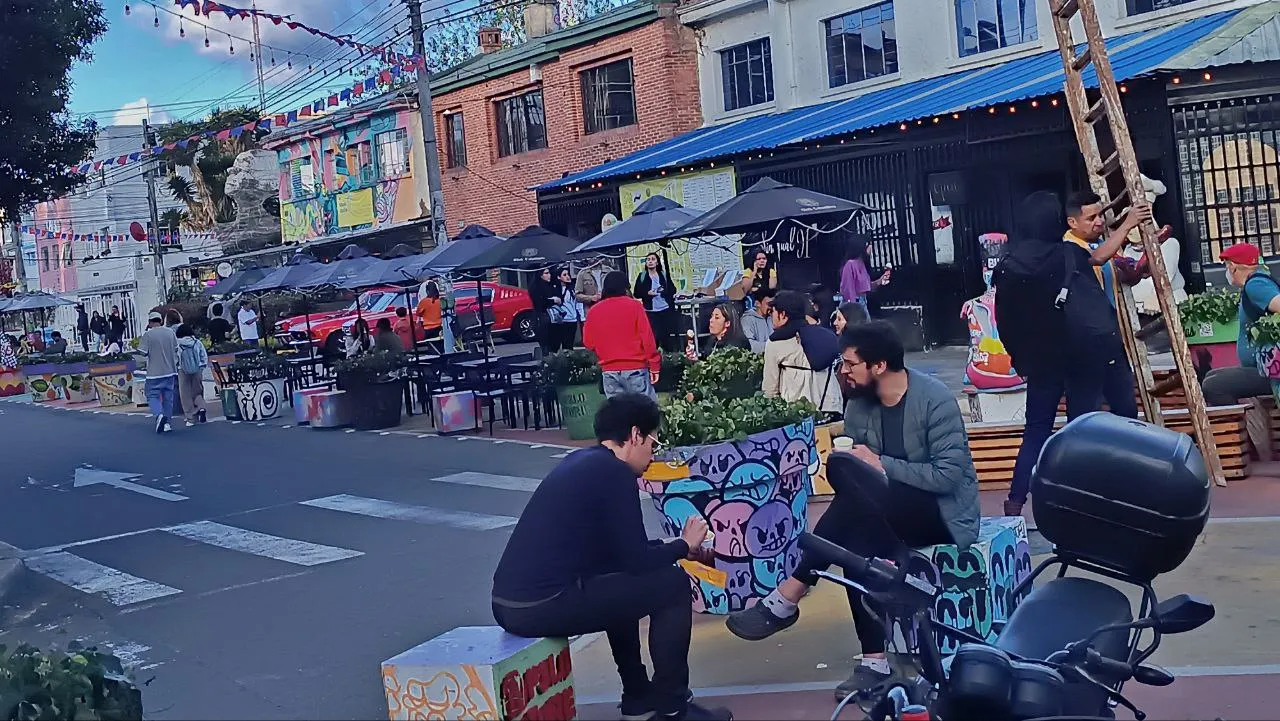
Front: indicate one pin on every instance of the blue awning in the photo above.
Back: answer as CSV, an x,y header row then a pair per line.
x,y
1132,55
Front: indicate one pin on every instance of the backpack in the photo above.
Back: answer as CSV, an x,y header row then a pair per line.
x,y
192,359
1027,283
1092,329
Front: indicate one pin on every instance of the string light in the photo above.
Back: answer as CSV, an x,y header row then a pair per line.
x,y
273,59
206,37
903,127
955,116
182,31
1013,108
1177,80
231,44
128,10
156,21
1208,75
1035,103
1054,102
1124,88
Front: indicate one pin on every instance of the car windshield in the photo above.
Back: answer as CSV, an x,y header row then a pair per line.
x,y
375,301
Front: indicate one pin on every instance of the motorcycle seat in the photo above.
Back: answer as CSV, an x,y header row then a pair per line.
x,y
1063,611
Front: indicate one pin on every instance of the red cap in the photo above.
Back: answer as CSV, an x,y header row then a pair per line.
x,y
1242,253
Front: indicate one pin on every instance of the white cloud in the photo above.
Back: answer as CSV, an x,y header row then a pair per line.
x,y
133,114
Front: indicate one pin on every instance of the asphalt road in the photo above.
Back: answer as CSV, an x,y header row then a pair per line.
x,y
299,560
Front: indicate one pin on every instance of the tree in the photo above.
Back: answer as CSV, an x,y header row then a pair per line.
x,y
39,140
456,40
208,160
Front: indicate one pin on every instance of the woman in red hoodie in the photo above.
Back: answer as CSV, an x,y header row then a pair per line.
x,y
618,332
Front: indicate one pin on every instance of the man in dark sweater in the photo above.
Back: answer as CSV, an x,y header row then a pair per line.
x,y
579,562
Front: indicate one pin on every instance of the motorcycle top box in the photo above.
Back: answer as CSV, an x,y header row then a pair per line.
x,y
1124,494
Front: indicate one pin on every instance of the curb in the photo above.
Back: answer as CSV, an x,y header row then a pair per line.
x,y
10,568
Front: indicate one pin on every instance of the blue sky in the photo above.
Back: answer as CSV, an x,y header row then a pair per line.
x,y
147,70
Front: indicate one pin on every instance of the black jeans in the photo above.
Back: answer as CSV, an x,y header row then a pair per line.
x,y
615,603
879,520
1228,386
564,336
663,323
1091,383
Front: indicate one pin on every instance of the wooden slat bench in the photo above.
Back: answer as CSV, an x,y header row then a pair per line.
x,y
995,445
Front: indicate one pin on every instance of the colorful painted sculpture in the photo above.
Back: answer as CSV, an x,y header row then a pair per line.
x,y
11,380
989,368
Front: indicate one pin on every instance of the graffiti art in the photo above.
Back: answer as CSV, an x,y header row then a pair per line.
x,y
259,400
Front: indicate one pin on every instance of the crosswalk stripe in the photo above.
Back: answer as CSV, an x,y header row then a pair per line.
x,y
378,508
118,587
490,480
289,550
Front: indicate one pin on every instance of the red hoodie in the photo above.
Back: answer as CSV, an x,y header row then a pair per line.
x,y
618,332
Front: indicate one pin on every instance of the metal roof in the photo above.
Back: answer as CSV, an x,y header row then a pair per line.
x,y
1132,55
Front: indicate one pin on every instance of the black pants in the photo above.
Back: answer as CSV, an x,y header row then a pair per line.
x,y
563,336
1091,383
84,340
615,603
1228,386
876,519
663,323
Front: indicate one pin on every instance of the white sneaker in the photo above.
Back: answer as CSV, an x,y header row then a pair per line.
x,y
166,428
190,424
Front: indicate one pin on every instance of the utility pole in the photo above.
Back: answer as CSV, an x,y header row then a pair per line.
x,y
149,138
19,266
257,58
428,119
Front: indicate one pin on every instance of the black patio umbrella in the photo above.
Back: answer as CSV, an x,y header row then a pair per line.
x,y
651,221
459,251
400,250
299,268
533,248
339,272
38,300
352,251
236,282
767,203
473,231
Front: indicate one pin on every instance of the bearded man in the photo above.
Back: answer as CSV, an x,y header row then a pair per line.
x,y
913,485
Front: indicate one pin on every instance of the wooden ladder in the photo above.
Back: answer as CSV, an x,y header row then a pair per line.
x,y
1119,170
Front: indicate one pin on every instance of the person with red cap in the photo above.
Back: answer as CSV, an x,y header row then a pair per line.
x,y
1259,295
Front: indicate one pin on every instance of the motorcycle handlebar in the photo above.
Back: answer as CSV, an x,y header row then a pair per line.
x,y
871,572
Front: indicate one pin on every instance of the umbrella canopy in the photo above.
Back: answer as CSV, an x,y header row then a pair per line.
x,y
338,273
38,300
300,258
473,231
532,248
352,252
290,276
400,251
460,251
4,303
237,282
764,204
652,220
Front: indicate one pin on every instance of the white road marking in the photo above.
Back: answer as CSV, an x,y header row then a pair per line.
x,y
489,480
118,587
378,508
289,550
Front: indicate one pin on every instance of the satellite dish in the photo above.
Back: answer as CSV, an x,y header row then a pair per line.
x,y
138,232
224,270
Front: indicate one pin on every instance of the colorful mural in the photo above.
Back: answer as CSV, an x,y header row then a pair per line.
x,y
259,400
754,495
989,368
11,379
353,178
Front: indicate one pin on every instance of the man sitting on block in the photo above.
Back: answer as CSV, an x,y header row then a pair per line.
x,y
579,562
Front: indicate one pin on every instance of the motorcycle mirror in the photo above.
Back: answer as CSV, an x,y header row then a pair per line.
x,y
1152,676
1180,614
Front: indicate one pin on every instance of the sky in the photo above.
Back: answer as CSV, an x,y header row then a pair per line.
x,y
141,70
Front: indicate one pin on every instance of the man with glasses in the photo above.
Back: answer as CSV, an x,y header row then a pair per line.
x,y
579,562
909,436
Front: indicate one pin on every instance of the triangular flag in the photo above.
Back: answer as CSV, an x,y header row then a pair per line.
x,y
223,134
370,84
305,112
385,77
292,117
280,120
333,100
345,95
357,89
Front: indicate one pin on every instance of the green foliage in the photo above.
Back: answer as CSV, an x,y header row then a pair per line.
x,y
231,346
1215,306
377,365
260,365
83,683
456,40
727,373
576,367
673,367
40,40
715,419
1266,331
111,358
208,160
72,357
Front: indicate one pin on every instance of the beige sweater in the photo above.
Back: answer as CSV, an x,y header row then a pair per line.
x,y
787,374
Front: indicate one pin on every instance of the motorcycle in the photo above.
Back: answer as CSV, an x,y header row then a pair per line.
x,y
1073,641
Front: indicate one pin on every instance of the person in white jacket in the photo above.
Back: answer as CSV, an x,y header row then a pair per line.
x,y
1144,291
799,359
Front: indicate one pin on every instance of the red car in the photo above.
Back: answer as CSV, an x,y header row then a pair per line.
x,y
511,307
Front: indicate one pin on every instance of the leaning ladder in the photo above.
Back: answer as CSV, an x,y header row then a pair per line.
x,y
1119,170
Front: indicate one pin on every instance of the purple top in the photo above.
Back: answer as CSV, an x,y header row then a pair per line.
x,y
855,281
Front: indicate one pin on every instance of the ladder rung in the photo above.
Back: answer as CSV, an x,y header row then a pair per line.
x,y
1167,385
1150,329
1097,111
1117,202
1082,60
1109,166
1066,8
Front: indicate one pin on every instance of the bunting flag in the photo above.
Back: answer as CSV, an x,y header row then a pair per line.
x,y
208,7
166,238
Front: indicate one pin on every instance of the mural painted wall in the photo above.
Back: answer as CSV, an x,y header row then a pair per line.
x,y
361,176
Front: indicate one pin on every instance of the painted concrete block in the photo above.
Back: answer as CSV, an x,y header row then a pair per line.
x,y
481,672
455,412
300,407
328,409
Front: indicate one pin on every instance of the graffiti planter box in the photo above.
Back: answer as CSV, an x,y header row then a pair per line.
x,y
976,584
258,400
40,380
481,672
12,382
113,382
754,494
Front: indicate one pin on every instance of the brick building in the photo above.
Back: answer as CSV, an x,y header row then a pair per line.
x,y
508,120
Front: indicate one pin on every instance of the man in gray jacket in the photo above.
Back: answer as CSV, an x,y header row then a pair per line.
x,y
907,430
756,325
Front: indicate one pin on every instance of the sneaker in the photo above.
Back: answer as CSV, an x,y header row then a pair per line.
x,y
636,708
159,424
864,678
1012,507
191,424
167,427
696,712
202,415
758,622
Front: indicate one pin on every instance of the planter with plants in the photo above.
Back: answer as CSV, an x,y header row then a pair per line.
x,y
112,378
1211,316
71,375
257,382
224,354
83,683
375,389
671,375
575,375
39,373
743,462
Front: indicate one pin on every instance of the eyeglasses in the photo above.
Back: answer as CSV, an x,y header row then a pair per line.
x,y
653,442
849,365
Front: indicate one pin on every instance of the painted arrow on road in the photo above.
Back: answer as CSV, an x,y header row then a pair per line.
x,y
94,476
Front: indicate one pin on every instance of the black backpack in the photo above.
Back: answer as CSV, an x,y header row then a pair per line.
x,y
1092,330
1032,326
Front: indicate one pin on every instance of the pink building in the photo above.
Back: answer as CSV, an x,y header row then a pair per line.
x,y
55,256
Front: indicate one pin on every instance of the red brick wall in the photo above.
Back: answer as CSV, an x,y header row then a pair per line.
x,y
492,190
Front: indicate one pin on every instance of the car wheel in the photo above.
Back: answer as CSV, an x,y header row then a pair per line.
x,y
522,328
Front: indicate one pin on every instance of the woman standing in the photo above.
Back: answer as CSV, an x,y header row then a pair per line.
x,y
653,287
760,274
855,274
723,324
566,315
98,326
545,294
849,314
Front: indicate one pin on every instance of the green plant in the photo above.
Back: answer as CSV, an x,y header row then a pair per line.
x,y
375,365
261,364
728,373
576,367
1266,331
714,419
72,357
83,683
1215,306
135,342
230,346
111,358
671,376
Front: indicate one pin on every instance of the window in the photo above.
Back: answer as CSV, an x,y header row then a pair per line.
x,y
358,162
861,45
393,154
302,178
44,259
522,125
66,255
986,25
608,97
455,134
1137,7
746,72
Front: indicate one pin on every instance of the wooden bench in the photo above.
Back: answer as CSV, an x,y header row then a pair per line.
x,y
481,672
995,445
